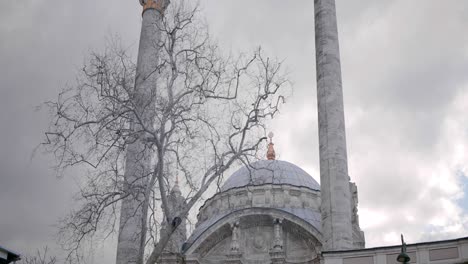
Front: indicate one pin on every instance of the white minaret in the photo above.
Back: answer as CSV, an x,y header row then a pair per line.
x,y
129,249
334,180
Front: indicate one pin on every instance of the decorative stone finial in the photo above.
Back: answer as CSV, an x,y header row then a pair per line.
x,y
277,254
271,155
278,234
176,188
234,239
234,255
159,5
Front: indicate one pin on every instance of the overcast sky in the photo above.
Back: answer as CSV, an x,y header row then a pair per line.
x,y
405,81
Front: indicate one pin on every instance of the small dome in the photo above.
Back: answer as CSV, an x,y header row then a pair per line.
x,y
276,172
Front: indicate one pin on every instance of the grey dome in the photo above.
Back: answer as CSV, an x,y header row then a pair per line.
x,y
270,172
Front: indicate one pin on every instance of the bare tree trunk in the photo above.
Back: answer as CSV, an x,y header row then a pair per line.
x,y
132,235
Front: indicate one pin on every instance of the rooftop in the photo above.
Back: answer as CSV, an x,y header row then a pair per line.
x,y
275,172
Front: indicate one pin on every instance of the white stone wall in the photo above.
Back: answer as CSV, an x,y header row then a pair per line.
x,y
253,208
442,252
274,196
261,237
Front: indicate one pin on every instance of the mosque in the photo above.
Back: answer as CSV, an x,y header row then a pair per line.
x,y
266,212
272,211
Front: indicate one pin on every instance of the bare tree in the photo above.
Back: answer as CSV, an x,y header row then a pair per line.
x,y
208,112
41,257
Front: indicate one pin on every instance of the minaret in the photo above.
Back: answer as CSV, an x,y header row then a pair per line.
x,y
334,180
129,249
271,155
172,253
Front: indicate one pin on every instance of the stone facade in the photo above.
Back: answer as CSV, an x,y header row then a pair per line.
x,y
258,238
440,252
265,196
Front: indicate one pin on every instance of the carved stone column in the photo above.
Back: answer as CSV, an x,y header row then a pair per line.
x,y
277,254
235,255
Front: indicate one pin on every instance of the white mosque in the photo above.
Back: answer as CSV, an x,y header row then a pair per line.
x,y
274,212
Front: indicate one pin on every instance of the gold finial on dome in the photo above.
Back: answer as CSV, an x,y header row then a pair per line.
x,y
271,155
159,5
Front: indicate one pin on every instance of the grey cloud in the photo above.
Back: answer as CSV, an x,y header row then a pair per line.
x,y
42,45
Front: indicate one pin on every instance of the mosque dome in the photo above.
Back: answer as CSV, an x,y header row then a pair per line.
x,y
249,191
276,172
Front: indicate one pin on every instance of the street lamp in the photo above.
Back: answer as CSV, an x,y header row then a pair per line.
x,y
403,257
